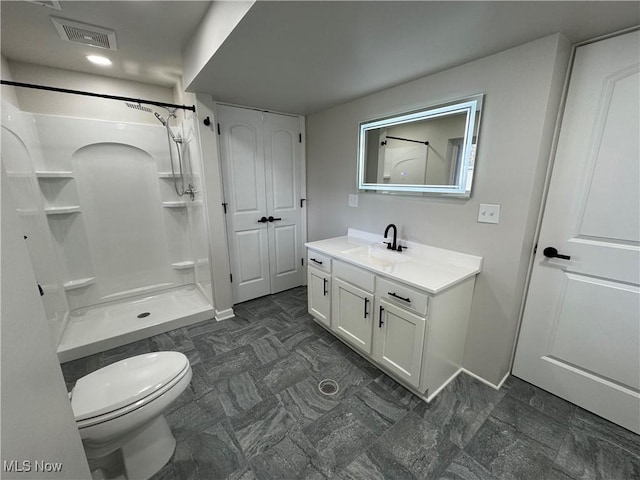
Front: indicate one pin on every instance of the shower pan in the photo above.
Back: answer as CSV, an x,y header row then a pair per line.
x,y
115,224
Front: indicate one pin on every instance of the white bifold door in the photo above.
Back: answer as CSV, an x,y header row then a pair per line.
x,y
580,334
261,156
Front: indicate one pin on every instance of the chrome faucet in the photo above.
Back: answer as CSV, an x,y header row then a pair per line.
x,y
392,246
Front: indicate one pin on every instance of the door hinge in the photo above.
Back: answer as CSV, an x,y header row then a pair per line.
x,y
231,277
302,261
224,205
218,129
535,249
300,138
302,200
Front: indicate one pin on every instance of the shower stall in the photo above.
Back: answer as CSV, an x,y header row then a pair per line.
x,y
113,214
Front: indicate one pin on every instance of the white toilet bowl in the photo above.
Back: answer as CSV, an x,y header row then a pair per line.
x,y
121,407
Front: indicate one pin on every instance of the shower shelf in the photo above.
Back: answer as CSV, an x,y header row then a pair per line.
x,y
27,211
178,204
182,265
79,283
54,174
62,210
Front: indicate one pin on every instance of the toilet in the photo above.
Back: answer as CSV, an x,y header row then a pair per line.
x,y
121,406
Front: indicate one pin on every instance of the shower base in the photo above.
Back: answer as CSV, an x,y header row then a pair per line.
x,y
108,325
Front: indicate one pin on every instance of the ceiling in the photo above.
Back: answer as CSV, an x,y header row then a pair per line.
x,y
150,36
302,57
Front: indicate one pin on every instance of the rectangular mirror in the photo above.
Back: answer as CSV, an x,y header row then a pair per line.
x,y
426,152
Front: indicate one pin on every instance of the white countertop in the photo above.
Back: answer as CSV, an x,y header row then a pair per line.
x,y
427,268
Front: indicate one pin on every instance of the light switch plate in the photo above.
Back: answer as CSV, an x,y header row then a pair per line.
x,y
489,213
353,200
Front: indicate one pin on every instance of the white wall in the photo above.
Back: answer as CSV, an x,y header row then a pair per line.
x,y
223,298
37,421
40,101
522,88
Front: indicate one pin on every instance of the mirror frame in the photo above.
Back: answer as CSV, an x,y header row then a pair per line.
x,y
462,188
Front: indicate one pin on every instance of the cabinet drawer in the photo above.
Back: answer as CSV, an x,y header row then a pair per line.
x,y
403,295
354,275
319,260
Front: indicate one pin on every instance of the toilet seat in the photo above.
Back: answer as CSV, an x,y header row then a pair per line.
x,y
125,386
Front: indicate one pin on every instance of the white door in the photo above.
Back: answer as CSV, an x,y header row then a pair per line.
x,y
580,336
282,152
399,341
352,311
261,161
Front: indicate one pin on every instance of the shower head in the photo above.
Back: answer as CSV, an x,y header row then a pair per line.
x,y
137,106
162,120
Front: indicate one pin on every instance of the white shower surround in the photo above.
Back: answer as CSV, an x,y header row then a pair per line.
x,y
98,198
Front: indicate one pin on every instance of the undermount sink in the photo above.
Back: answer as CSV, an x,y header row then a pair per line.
x,y
377,254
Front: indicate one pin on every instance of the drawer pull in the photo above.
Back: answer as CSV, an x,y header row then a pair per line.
x,y
395,295
317,261
326,282
380,321
366,302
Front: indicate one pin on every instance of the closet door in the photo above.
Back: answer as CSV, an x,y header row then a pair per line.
x,y
261,161
282,153
242,158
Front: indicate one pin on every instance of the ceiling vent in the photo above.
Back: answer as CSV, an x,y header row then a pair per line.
x,y
86,34
47,3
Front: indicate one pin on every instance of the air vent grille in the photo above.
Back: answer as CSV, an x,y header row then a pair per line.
x,y
86,34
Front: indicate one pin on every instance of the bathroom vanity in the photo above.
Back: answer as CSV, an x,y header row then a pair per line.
x,y
406,312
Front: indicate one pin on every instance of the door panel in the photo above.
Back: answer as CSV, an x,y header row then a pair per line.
x,y
606,315
353,314
282,152
579,334
243,178
400,341
319,285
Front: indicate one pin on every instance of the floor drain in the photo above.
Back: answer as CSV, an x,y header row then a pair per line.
x,y
144,314
328,387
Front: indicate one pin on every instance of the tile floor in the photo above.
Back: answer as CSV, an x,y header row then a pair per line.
x,y
253,411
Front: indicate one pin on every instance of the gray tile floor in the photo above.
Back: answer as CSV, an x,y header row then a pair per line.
x,y
254,411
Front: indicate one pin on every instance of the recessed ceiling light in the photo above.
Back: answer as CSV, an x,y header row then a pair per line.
x,y
99,60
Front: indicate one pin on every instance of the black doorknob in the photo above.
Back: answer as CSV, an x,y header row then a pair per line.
x,y
263,220
272,219
551,252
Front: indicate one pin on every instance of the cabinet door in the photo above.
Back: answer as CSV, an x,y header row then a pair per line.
x,y
319,295
399,339
352,314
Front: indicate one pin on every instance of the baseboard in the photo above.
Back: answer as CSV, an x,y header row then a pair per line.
x,y
224,314
487,382
439,389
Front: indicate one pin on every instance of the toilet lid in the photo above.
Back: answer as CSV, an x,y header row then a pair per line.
x,y
125,382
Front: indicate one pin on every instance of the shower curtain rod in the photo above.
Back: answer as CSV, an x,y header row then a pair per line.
x,y
405,140
99,95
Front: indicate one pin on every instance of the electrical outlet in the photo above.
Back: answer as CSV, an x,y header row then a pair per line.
x,y
488,213
353,200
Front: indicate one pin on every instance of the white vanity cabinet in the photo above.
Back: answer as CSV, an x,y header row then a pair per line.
x,y
319,287
352,305
400,330
406,313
